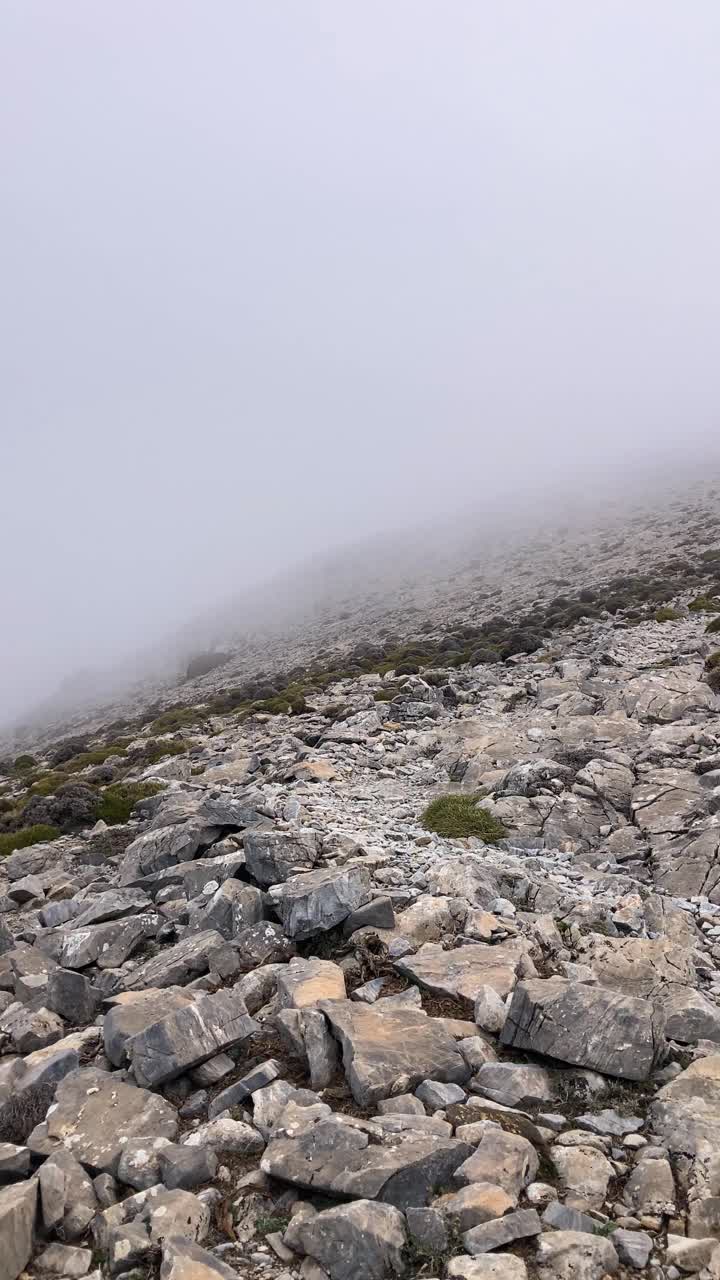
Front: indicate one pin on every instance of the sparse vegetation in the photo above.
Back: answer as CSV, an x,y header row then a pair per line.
x,y
667,614
176,718
458,816
21,764
118,801
27,836
203,663
713,627
705,604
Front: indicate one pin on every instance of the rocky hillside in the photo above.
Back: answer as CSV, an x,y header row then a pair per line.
x,y
399,956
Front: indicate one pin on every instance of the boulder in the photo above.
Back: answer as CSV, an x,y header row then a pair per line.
x,y
584,1025
132,1012
303,983
178,965
464,971
323,1153
271,857
574,1255
315,902
686,1112
391,1050
184,1260
18,1206
95,1114
339,1237
188,1036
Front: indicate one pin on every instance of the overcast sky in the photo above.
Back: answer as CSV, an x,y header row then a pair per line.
x,y
276,274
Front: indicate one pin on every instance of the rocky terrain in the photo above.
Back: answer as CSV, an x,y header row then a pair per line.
x,y
262,1016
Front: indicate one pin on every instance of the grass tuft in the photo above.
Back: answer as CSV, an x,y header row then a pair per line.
x,y
457,816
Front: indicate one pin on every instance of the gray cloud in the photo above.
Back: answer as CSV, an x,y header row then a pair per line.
x,y
276,276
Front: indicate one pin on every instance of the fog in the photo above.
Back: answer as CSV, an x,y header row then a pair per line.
x,y
279,276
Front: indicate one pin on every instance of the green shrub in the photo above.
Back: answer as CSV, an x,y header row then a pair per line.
x,y
118,801
713,627
667,614
711,555
457,816
174,719
203,663
98,755
26,836
47,784
22,763
705,604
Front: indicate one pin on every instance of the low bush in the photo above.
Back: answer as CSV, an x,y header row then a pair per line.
x,y
713,627
118,801
667,614
27,836
22,764
457,816
705,604
175,718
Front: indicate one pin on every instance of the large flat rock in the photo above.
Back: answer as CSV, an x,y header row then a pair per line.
x,y
391,1051
686,1112
178,965
585,1025
462,971
336,1158
95,1114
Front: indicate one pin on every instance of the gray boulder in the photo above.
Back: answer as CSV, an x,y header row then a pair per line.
x,y
339,1237
584,1025
17,1223
393,1050
95,1114
271,857
188,1036
315,902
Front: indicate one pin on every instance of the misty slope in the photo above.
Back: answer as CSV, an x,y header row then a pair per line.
x,y
460,573
477,1041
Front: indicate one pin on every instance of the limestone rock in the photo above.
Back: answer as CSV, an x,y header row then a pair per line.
x,y
574,1255
337,1238
17,1223
132,1012
317,901
391,1051
189,1036
588,1026
463,971
95,1114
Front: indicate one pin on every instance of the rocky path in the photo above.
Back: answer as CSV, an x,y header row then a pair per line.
x,y
274,1027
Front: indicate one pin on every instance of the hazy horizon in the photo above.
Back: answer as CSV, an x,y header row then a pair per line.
x,y
278,278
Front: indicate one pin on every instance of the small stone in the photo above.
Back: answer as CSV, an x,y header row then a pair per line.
x,y
436,1094
633,1247
492,1235
64,1260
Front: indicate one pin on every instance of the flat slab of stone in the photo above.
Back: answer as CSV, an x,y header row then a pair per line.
x,y
584,1025
393,1050
95,1114
493,1235
178,965
464,970
189,1036
302,983
337,1158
